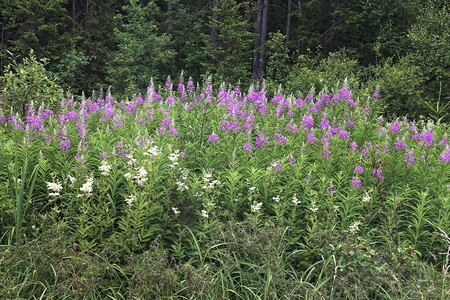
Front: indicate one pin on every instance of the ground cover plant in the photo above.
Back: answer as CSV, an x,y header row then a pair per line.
x,y
193,193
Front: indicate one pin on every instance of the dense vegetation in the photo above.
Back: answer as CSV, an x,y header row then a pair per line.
x,y
194,193
402,46
310,161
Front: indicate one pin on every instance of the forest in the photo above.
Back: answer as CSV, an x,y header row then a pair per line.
x,y
401,46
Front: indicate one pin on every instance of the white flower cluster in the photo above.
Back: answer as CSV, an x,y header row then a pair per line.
x,y
173,158
353,228
140,177
130,200
276,199
295,200
182,186
176,211
257,207
313,207
87,188
209,185
72,180
205,214
153,152
55,188
105,168
366,198
184,176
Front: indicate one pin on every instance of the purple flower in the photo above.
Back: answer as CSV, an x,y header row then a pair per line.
x,y
399,144
324,124
326,151
280,139
261,141
190,86
409,158
443,142
248,147
358,169
354,146
213,138
308,121
377,173
292,159
173,131
165,122
366,111
312,138
356,183
395,128
445,156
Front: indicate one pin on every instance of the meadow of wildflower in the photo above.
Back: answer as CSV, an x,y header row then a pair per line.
x,y
191,192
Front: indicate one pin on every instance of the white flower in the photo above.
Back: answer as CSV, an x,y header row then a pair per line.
x,y
105,168
128,175
207,174
252,189
54,186
205,214
336,208
173,157
141,176
130,200
276,199
354,227
184,174
72,179
257,207
366,198
182,186
153,151
86,189
313,207
176,211
295,200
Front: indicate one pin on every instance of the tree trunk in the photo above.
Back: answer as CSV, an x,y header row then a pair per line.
x,y
265,19
214,33
261,32
256,56
288,25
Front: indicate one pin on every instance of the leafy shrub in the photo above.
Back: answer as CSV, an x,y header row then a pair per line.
x,y
329,71
25,82
400,87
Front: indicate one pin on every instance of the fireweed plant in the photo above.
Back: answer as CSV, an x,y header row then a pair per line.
x,y
259,195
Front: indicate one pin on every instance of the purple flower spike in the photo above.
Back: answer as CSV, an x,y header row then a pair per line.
x,y
356,183
358,169
213,138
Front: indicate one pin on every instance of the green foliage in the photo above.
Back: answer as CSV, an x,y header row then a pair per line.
x,y
25,82
36,24
400,87
308,72
70,70
231,55
142,51
277,57
430,42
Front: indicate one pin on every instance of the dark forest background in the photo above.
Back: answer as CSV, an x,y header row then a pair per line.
x,y
403,46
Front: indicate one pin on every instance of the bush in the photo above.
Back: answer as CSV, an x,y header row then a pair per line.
x,y
400,87
25,82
